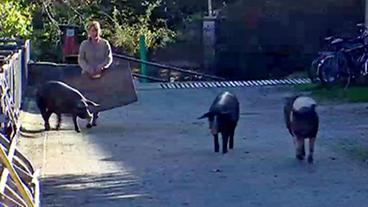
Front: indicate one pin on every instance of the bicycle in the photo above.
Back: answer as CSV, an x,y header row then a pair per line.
x,y
348,62
313,69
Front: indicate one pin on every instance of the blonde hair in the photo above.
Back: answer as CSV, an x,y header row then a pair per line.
x,y
94,24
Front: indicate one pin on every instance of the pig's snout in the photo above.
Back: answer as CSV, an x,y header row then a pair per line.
x,y
90,120
89,117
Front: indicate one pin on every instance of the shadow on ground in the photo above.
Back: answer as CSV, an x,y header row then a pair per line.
x,y
91,190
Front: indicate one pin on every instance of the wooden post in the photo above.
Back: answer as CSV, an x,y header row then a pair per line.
x,y
210,8
142,50
366,13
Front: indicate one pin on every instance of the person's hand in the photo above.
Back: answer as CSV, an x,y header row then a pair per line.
x,y
101,70
96,73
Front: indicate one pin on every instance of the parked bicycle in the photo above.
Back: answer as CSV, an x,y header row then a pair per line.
x,y
330,47
346,61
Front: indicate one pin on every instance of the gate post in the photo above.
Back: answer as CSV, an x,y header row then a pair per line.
x,y
142,51
366,13
209,41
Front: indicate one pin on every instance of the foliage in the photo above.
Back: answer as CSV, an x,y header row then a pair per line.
x,y
15,19
122,23
46,43
126,33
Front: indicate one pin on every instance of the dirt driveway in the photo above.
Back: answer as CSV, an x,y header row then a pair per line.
x,y
156,153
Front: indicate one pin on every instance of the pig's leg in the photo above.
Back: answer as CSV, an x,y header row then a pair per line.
x,y
299,148
216,141
58,121
311,149
92,122
95,116
225,138
75,121
231,139
89,124
46,116
294,141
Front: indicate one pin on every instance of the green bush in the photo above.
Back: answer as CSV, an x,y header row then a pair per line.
x,y
126,33
122,23
15,19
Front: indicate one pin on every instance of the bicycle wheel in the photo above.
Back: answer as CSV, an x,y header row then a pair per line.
x,y
364,71
313,69
362,78
328,70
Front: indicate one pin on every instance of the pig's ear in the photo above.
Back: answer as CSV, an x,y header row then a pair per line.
x,y
89,102
204,115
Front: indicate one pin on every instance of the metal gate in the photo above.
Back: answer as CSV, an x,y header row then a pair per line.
x,y
19,185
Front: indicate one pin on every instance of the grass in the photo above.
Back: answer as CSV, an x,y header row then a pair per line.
x,y
354,150
299,74
354,94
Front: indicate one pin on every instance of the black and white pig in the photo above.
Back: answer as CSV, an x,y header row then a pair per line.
x,y
302,121
59,98
223,117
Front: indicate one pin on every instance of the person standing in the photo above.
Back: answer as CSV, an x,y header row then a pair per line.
x,y
95,53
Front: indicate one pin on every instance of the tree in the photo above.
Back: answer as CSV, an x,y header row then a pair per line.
x,y
122,22
126,33
16,19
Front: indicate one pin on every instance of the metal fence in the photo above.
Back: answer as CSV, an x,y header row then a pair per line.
x,y
14,59
19,184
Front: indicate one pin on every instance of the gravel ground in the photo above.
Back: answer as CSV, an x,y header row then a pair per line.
x,y
156,153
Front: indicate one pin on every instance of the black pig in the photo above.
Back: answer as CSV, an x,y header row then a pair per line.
x,y
223,117
302,122
60,98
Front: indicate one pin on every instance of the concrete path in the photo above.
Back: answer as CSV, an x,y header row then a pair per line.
x,y
156,153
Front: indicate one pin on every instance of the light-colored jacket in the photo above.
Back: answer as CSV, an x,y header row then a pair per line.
x,y
94,55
